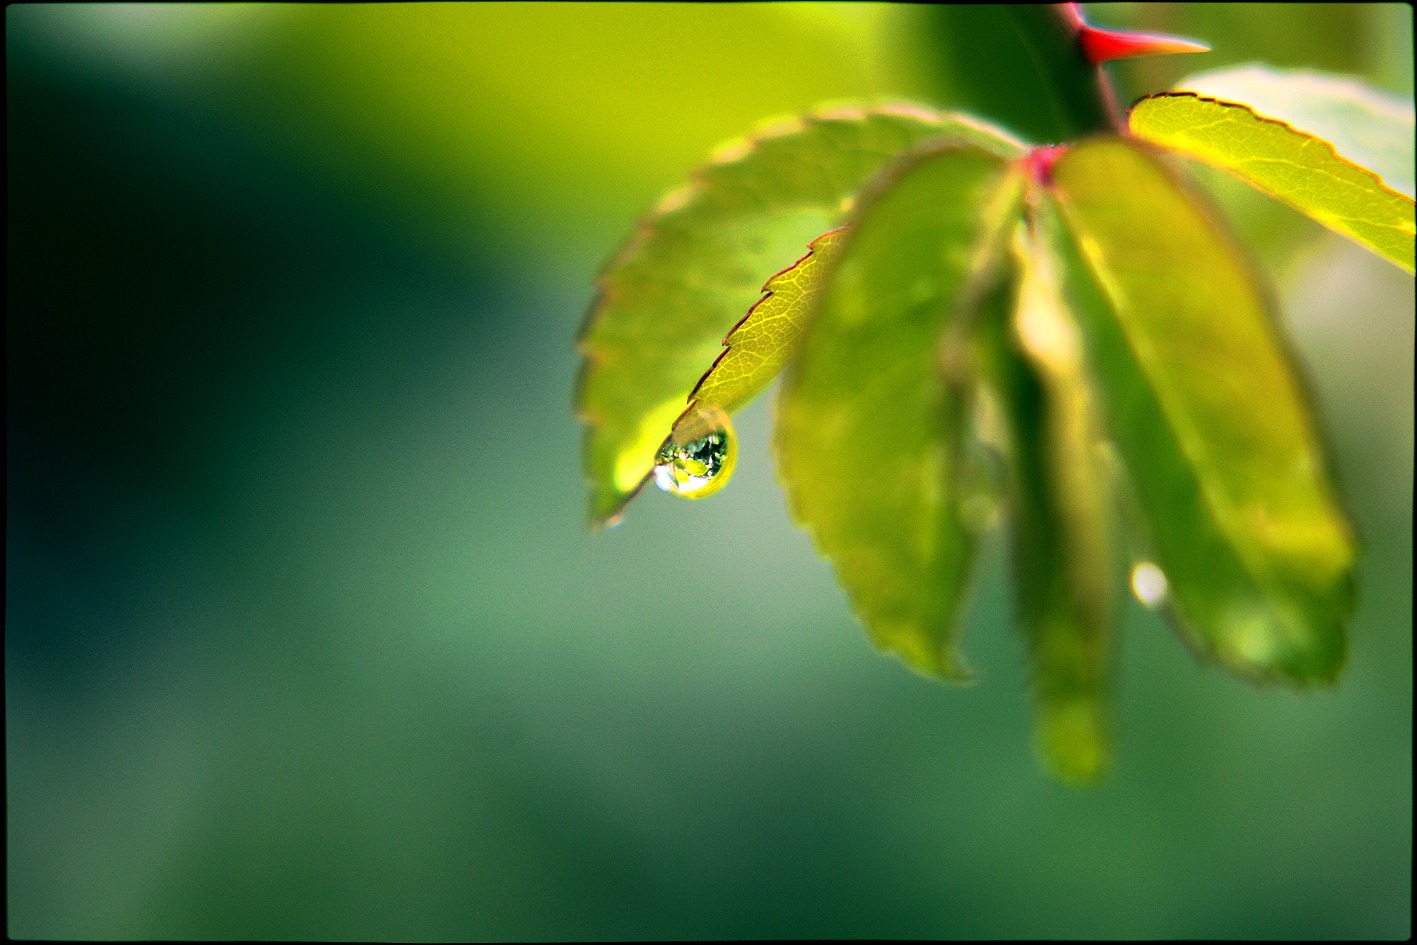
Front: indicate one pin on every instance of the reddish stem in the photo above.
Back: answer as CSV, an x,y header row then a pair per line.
x,y
1039,162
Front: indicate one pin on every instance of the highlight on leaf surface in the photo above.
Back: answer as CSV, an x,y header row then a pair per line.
x,y
1297,167
1208,414
697,263
1058,510
872,415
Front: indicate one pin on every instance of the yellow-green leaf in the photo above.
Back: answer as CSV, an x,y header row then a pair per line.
x,y
872,412
1058,512
1300,169
758,347
698,263
1208,415
1373,129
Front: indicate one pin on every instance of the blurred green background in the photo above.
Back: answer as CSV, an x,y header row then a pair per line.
x,y
305,636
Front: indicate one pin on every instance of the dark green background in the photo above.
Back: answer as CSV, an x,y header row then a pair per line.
x,y
305,637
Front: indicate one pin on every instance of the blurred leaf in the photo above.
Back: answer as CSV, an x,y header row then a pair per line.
x,y
1300,169
872,412
697,264
1370,128
756,350
1209,417
1056,492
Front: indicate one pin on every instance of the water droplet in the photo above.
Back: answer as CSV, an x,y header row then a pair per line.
x,y
1149,584
698,458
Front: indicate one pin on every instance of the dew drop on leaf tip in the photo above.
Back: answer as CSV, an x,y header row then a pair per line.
x,y
1149,584
698,457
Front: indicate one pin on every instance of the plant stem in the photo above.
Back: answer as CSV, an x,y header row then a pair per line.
x,y
1080,93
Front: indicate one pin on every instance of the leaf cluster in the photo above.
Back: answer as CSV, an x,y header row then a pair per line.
x,y
1068,331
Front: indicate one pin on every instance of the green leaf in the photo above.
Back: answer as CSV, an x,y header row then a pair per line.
x,y
698,262
756,350
1372,129
1300,169
873,411
1058,512
1208,415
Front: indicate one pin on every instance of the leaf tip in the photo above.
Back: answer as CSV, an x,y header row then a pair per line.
x,y
1071,742
607,509
941,662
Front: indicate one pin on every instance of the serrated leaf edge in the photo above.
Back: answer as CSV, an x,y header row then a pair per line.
x,y
768,293
730,152
954,667
1268,120
1308,135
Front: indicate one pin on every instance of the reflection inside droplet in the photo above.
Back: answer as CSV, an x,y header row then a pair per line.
x,y
1148,584
698,458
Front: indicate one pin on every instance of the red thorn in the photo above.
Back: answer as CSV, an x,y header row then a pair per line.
x,y
1100,45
